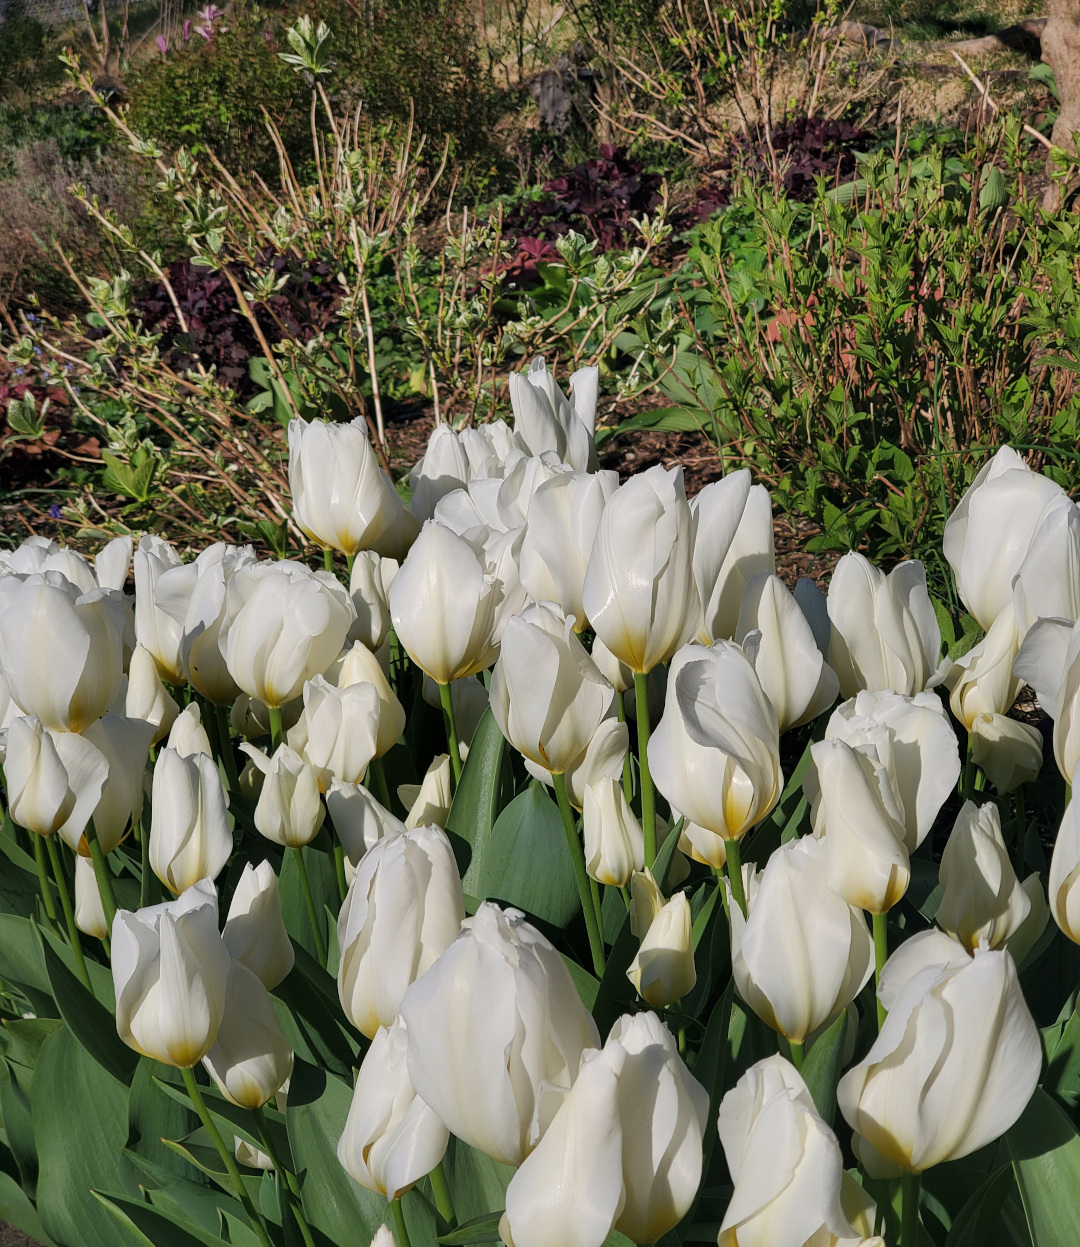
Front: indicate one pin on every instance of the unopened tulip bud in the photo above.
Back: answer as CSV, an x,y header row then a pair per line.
x,y
391,1138
250,1058
337,733
254,931
982,681
188,736
125,745
289,810
1010,753
368,592
158,630
428,803
546,420
190,837
733,543
53,779
147,698
360,821
89,914
614,844
663,970
646,901
361,666
170,970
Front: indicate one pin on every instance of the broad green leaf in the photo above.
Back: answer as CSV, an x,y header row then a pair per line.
x,y
189,1193
17,1210
16,1085
979,1221
20,891
307,1007
229,1118
1045,1151
22,965
824,1062
320,869
478,799
477,1183
1063,1061
587,984
159,1228
153,1116
482,1229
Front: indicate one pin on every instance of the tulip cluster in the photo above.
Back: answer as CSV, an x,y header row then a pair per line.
x,y
553,784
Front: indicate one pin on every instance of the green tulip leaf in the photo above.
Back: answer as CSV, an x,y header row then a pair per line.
x,y
101,979
22,965
482,1229
230,1119
978,1222
17,1210
1045,1150
307,1007
823,1065
161,1229
1063,1063
20,892
587,984
16,1085
480,796
324,890
476,1182
194,1198
154,1116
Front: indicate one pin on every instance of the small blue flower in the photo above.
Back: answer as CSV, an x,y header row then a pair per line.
x,y
54,511
19,372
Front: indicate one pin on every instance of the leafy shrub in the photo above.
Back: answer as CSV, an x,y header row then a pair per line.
x,y
28,51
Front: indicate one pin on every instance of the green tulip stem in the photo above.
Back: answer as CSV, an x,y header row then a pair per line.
x,y
577,856
339,863
734,873
625,894
598,904
228,757
380,781
1021,833
275,727
286,1174
101,874
627,768
350,559
328,560
309,900
401,1231
65,905
451,732
43,877
648,797
798,1053
909,1209
441,1191
144,862
881,955
233,1170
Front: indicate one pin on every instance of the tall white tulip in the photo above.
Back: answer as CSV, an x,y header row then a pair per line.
x,y
404,908
112,563
53,779
663,970
715,754
1047,585
1049,660
368,589
885,635
190,837
341,496
170,969
496,1033
1010,753
362,667
254,931
338,731
953,1067
188,736
202,607
989,535
803,953
982,681
360,821
250,1057
545,420
37,555
428,802
89,912
61,653
391,1138
443,468
614,843
443,605
156,629
283,624
125,745
733,544
289,810
640,594
147,698
603,757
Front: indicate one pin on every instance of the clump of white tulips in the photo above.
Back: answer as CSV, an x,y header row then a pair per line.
x,y
563,903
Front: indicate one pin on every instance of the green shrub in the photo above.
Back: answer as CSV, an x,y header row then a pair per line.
x,y
28,54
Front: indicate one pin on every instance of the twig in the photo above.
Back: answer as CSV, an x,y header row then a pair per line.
x,y
985,93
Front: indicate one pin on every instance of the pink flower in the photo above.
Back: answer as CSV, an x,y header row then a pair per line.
x,y
163,44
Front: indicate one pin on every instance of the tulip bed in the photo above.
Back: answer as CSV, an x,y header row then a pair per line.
x,y
542,869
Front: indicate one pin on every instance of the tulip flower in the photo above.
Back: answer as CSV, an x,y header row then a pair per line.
x,y
428,802
112,562
614,844
777,638
733,544
885,635
803,953
468,1018
1047,586
190,837
89,913
715,753
443,468
617,673
147,698
188,736
283,624
342,498
156,629
785,1163
125,745
442,603
663,970
544,420
391,1138
989,535
337,733
250,1058
360,821
62,651
563,517
982,681
362,667
639,592
646,901
367,589
623,1151
202,607
1063,886
254,931
404,908
170,969
1010,753
384,1237
37,555
53,779
1049,660
603,757
247,1153
952,1069
289,810
547,695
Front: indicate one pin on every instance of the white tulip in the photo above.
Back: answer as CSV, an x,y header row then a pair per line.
x,y
663,970
170,969
1064,883
337,733
156,629
1010,753
733,544
362,667
254,931
368,590
250,1058
443,468
614,842
603,758
188,736
147,698
112,563
202,604
125,745
190,837
544,420
496,1033
617,673
360,821
289,810
37,555
428,802
53,780
391,1138
89,912
1047,585
1049,660
982,681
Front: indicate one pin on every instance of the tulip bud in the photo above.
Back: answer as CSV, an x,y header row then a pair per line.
x,y
614,843
89,914
646,901
982,681
885,634
254,931
336,735
1063,888
545,420
785,1162
203,611
639,592
147,698
663,970
602,1164
190,837
289,810
715,753
368,592
391,1137
53,779
342,498
499,980
803,953
251,1057
702,845
188,736
36,555
125,745
442,603
384,1238
45,617
362,667
156,629
443,468
428,803
1010,753
733,544
547,695
989,534
953,1067
283,624
982,901
360,822
403,909
170,970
